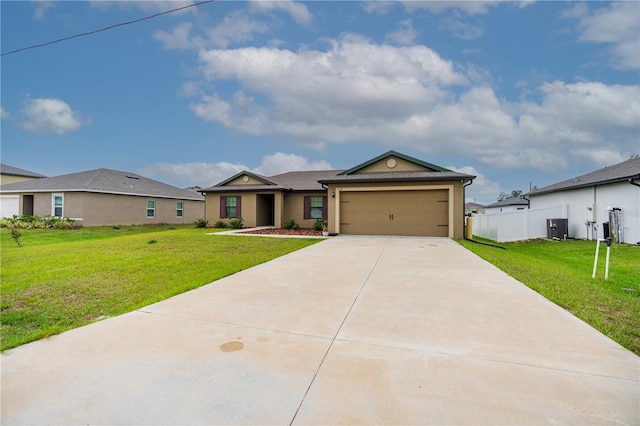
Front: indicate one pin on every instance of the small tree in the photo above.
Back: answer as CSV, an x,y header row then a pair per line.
x,y
516,193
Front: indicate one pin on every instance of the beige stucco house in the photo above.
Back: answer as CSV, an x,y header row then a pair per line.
x,y
106,197
392,194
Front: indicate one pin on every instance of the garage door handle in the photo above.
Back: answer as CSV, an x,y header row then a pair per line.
x,y
391,216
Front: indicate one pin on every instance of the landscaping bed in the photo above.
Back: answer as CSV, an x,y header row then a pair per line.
x,y
309,232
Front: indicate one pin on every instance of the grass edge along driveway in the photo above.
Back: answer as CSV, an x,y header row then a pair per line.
x,y
561,272
60,280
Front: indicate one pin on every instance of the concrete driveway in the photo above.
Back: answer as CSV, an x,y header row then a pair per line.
x,y
353,330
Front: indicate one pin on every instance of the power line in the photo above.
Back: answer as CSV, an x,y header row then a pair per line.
x,y
122,24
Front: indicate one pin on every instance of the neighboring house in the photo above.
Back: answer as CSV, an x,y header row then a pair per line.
x,y
513,204
474,208
106,197
392,194
9,204
590,197
10,174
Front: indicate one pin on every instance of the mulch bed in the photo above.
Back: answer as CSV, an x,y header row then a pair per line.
x,y
282,231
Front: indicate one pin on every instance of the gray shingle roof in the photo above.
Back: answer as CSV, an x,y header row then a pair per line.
x,y
305,181
513,201
617,173
15,171
290,181
103,181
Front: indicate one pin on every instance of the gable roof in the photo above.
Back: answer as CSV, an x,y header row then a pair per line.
x,y
289,181
430,173
15,171
629,169
256,176
103,181
394,154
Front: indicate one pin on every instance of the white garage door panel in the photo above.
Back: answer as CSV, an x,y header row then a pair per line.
x,y
9,205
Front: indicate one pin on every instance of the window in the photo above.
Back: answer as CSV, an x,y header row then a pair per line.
x,y
151,208
315,207
180,209
58,204
230,206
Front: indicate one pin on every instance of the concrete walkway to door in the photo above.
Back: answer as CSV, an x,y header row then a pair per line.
x,y
353,330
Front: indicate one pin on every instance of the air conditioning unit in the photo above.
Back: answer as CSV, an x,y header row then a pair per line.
x,y
557,229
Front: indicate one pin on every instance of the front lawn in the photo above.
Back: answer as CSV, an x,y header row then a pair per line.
x,y
62,279
561,272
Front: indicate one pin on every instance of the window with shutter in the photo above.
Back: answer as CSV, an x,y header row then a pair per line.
x,y
231,207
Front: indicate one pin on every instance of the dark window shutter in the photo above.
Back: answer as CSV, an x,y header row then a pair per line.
x,y
238,206
223,207
325,208
307,207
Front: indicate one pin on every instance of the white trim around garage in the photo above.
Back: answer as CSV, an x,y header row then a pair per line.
x,y
450,188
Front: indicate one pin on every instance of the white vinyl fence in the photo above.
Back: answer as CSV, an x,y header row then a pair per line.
x,y
518,225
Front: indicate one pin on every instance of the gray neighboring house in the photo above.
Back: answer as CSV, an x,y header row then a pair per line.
x,y
589,199
104,197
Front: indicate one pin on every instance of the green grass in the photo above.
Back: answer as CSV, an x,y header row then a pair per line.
x,y
62,279
561,272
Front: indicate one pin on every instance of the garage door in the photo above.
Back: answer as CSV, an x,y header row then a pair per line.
x,y
9,205
423,213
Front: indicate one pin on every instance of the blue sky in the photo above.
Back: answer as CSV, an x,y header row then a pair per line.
x,y
517,93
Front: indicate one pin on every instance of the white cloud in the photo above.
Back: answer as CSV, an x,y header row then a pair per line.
x,y
147,5
483,190
280,163
405,35
617,26
410,97
4,113
49,115
298,11
208,174
468,7
235,28
179,37
460,28
185,175
41,9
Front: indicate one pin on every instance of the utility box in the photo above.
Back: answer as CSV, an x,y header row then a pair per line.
x,y
557,229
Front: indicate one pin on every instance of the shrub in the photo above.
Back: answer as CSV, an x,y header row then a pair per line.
x,y
32,222
201,223
320,225
236,223
291,224
221,224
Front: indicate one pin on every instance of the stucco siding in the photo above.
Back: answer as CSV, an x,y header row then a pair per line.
x,y
381,166
294,207
622,195
96,209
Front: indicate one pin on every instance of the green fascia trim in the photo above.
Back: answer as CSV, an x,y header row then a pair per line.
x,y
395,154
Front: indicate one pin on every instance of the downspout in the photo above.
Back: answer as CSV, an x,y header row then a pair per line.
x,y
464,200
464,233
631,181
205,204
